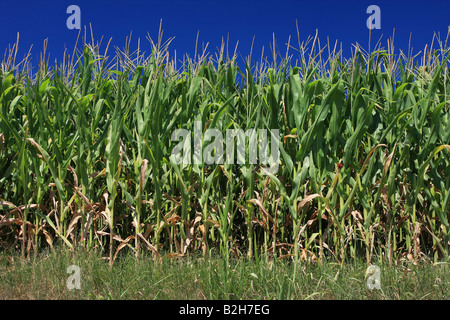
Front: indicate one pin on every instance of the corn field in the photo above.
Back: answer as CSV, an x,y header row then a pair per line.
x,y
364,162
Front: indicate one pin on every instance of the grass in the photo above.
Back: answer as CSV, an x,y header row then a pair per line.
x,y
44,277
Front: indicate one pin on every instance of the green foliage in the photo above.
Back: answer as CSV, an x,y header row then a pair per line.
x,y
364,167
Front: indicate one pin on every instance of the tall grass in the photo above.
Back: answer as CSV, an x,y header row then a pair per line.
x,y
364,168
194,279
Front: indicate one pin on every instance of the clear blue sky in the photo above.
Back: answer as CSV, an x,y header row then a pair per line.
x,y
339,20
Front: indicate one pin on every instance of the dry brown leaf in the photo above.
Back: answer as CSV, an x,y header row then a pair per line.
x,y
388,161
190,231
2,142
149,245
73,223
357,215
310,222
75,178
284,256
147,232
202,229
7,203
174,255
30,206
307,256
173,219
143,170
262,209
122,245
48,238
8,222
306,200
115,236
289,136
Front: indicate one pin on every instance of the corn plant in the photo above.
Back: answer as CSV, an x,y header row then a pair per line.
x,y
364,166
